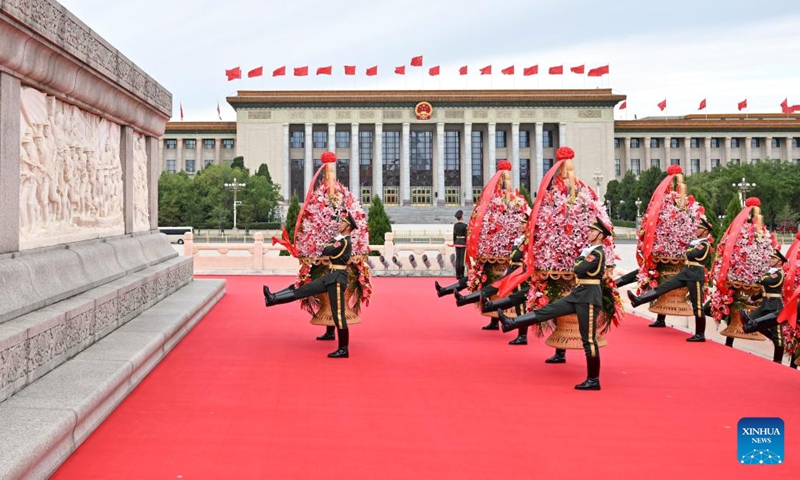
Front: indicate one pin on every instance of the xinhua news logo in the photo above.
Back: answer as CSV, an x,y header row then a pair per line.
x,y
761,441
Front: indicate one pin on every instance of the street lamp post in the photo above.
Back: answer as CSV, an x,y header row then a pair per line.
x,y
743,188
235,186
598,179
638,204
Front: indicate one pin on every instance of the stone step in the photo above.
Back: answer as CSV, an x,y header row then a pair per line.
x,y
47,420
425,215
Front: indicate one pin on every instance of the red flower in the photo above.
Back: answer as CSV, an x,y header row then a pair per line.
x,y
328,157
504,165
752,202
674,170
564,153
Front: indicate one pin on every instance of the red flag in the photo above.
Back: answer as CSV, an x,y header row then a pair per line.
x,y
256,72
534,70
279,72
416,61
508,70
325,70
742,104
598,72
702,105
785,105
623,105
300,71
578,69
400,70
181,104
233,73
372,71
559,70
433,71
462,70
662,104
487,70
219,113
349,69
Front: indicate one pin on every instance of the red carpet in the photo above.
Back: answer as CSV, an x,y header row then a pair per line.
x,y
426,393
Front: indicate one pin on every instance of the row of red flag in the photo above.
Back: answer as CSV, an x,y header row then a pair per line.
x,y
236,72
785,107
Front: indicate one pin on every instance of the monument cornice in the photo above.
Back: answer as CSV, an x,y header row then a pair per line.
x,y
44,38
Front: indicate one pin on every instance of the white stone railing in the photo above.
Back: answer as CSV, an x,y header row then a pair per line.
x,y
261,257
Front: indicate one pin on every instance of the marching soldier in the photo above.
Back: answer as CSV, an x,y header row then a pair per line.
x,y
586,300
334,282
460,242
772,302
691,276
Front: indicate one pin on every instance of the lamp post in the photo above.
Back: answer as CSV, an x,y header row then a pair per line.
x,y
621,206
598,179
638,204
235,186
743,188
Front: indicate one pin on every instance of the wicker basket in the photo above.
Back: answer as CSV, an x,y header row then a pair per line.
x,y
675,301
735,328
567,335
495,268
324,315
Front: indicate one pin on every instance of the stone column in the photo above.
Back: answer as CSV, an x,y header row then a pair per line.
x,y
308,162
727,151
286,189
178,154
562,134
789,152
377,161
405,164
768,147
355,178
332,137
539,129
686,162
647,148
707,160
161,160
667,152
491,165
9,162
153,172
466,166
126,159
748,149
198,154
438,197
217,150
515,155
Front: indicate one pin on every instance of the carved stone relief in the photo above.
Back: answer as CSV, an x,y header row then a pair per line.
x,y
70,172
141,198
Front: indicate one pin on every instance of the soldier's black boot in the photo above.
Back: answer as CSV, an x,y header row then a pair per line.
x,y
760,324
729,342
344,342
559,357
494,324
646,297
659,323
777,357
699,330
507,324
793,359
522,337
459,285
499,304
592,381
462,300
284,296
329,333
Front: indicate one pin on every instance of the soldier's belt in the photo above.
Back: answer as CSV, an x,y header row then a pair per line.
x,y
338,267
694,264
516,264
772,295
588,281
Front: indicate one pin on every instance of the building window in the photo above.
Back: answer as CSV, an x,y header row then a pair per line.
x,y
207,162
297,177
617,143
365,160
189,143
209,143
715,163
452,159
227,144
501,138
735,142
547,164
170,144
634,143
694,143
776,143
296,139
342,139
421,153
391,159
655,162
755,160
477,159
189,163
525,173
547,139
617,167
171,165
675,161
735,161
343,171
755,142
674,142
653,143
320,139
635,166
795,142
695,165
715,143
228,162
524,139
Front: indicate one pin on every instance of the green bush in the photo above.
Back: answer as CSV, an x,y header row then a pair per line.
x,y
291,216
378,222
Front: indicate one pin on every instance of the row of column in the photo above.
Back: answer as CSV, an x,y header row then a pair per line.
x,y
705,159
405,160
199,158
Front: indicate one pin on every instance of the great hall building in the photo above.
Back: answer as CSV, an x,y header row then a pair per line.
x,y
438,147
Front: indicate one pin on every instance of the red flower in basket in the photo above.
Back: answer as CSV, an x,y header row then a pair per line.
x,y
565,153
674,170
504,165
752,202
328,157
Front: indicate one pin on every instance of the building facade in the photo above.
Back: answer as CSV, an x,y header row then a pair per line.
x,y
439,147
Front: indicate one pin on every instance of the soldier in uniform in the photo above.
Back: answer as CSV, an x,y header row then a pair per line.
x,y
334,282
460,242
772,302
629,278
691,276
585,300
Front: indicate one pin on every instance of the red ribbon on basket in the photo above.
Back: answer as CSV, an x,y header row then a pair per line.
x,y
731,235
789,312
653,211
285,241
476,220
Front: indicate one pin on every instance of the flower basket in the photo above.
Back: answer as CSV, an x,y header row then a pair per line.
x,y
566,334
495,267
324,315
674,302
735,328
319,305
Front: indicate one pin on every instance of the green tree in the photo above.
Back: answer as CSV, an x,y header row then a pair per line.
x,y
263,196
291,216
238,162
176,199
734,207
378,222
625,209
263,171
648,181
219,215
787,218
525,193
246,214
